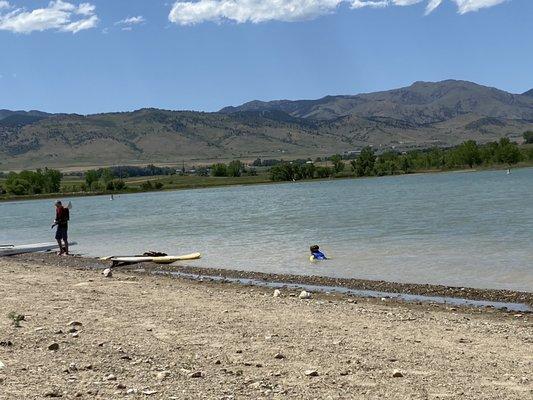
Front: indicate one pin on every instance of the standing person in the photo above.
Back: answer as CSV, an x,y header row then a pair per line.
x,y
61,221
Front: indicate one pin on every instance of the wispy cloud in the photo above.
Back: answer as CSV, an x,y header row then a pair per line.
x,y
256,11
59,15
130,21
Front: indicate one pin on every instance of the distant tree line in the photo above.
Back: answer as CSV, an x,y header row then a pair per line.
x,y
32,182
367,163
101,180
125,171
234,169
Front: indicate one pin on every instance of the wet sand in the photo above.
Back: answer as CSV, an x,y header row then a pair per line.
x,y
171,338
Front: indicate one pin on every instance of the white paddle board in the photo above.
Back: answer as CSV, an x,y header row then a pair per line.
x,y
30,248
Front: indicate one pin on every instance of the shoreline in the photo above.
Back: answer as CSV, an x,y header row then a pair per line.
x,y
4,199
74,333
408,292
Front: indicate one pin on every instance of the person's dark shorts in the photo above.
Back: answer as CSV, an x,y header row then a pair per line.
x,y
61,233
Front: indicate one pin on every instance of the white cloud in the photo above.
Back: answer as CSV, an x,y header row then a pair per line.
x,y
255,11
59,15
131,21
127,24
475,5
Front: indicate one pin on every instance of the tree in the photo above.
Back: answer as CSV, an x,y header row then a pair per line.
x,y
508,152
468,153
338,164
235,168
91,177
323,172
107,175
119,184
52,180
528,137
219,170
364,164
282,172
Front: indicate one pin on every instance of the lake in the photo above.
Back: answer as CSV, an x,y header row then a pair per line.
x,y
460,229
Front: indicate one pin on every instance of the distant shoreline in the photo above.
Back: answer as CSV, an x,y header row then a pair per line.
x,y
259,181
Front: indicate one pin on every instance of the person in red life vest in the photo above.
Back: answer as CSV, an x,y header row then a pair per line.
x,y
61,221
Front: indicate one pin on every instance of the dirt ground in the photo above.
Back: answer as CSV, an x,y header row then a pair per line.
x,y
141,336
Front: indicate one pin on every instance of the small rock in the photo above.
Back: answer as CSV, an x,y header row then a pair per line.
x,y
311,372
107,273
121,386
72,367
161,376
75,334
110,377
279,356
78,394
39,329
197,374
304,295
72,330
218,362
397,374
277,293
53,347
53,393
2,365
149,392
131,391
6,343
75,324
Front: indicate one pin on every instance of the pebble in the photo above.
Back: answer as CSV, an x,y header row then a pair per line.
x,y
2,365
39,329
53,393
161,376
304,295
397,374
197,374
131,391
53,347
277,293
75,323
110,377
121,386
107,273
149,392
311,372
279,356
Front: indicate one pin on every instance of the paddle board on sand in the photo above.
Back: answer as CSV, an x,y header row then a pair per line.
x,y
30,248
157,260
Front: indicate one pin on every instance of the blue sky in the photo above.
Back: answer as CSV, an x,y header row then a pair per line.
x,y
77,57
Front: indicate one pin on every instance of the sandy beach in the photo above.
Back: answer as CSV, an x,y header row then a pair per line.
x,y
142,336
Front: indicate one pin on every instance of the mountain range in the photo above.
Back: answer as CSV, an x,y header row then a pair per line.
x,y
422,115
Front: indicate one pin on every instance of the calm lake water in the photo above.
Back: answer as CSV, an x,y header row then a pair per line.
x,y
464,229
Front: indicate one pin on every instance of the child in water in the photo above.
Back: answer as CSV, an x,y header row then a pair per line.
x,y
316,254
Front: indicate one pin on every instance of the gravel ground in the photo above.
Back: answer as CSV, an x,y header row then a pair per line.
x,y
142,336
